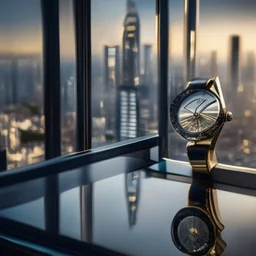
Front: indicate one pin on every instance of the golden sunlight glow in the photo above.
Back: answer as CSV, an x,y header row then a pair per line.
x,y
192,44
247,113
240,88
246,143
131,35
247,151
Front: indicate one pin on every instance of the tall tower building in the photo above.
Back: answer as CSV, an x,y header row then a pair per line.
x,y
191,16
148,69
111,81
111,67
214,65
148,99
127,112
14,76
250,68
131,46
249,77
128,109
234,61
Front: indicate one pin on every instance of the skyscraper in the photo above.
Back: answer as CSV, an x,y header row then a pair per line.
x,y
248,78
128,111
234,62
112,67
148,69
131,46
191,15
14,76
250,68
214,65
111,81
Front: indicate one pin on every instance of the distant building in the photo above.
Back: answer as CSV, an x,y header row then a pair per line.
x,y
213,64
148,69
248,78
131,46
127,114
14,77
234,62
148,91
191,15
111,81
111,67
128,109
69,96
250,68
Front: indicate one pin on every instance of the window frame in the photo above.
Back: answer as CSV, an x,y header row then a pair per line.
x,y
228,174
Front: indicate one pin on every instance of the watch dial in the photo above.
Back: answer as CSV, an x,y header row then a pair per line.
x,y
193,234
192,231
198,112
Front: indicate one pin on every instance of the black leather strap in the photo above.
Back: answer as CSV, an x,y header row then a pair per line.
x,y
198,196
198,83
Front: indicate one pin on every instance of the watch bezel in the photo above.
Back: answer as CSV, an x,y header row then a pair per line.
x,y
204,135
187,212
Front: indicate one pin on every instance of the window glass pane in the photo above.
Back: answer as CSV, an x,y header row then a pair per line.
x,y
222,45
124,70
21,88
67,75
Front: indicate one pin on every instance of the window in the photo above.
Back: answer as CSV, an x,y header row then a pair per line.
x,y
21,96
124,70
67,77
222,44
22,120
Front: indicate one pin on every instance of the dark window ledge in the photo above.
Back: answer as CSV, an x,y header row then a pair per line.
x,y
223,174
80,159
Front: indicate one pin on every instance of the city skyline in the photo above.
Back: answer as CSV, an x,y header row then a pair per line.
x,y
227,17
124,71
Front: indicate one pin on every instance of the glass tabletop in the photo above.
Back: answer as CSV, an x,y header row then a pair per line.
x,y
130,213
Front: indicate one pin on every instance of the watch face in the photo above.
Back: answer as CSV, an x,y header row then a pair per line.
x,y
192,231
194,112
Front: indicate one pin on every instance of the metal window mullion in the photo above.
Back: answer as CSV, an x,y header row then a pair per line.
x,y
51,80
162,12
82,11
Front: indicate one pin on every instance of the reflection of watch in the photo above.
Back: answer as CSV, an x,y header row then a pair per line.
x,y
198,115
196,229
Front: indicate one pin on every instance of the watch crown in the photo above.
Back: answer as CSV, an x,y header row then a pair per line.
x,y
229,116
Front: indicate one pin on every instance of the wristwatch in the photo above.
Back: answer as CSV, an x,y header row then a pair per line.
x,y
198,115
196,229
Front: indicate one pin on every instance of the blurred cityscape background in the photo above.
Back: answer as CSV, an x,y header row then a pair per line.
x,y
206,38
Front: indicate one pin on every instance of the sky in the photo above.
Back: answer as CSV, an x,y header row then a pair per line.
x,y
21,29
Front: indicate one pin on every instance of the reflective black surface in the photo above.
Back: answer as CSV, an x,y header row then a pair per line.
x,y
127,213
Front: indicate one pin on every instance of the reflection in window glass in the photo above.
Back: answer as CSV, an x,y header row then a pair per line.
x,y
124,73
222,45
21,89
67,76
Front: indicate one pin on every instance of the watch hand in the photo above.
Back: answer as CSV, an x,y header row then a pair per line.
x,y
206,106
199,105
188,110
190,104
